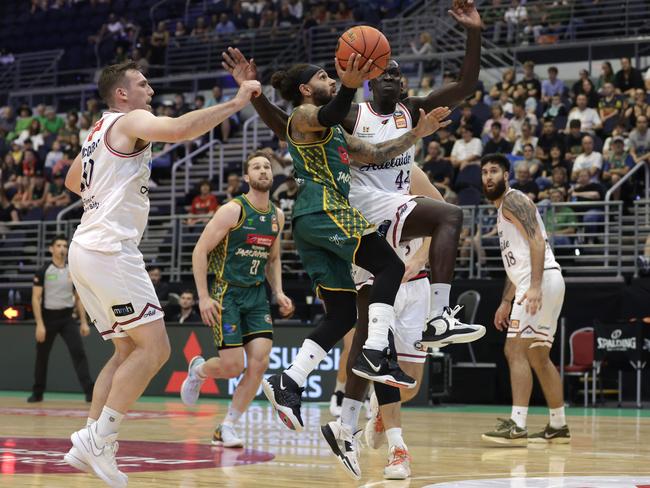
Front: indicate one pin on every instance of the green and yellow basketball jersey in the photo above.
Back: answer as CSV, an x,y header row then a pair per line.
x,y
240,258
322,170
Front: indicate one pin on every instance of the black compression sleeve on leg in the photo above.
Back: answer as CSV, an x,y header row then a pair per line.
x,y
376,256
340,317
387,394
335,111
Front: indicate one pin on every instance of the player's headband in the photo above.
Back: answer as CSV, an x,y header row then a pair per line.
x,y
307,73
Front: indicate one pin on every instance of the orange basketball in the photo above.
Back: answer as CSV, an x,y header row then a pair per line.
x,y
369,43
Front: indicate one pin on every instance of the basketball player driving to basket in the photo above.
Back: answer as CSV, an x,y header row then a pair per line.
x,y
111,175
387,194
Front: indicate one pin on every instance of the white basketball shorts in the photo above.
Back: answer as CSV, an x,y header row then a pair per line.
x,y
543,325
411,311
385,210
115,288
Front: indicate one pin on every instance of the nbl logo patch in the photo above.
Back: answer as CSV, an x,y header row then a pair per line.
x,y
400,120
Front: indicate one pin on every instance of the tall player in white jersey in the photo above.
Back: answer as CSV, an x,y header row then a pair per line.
x,y
534,281
111,176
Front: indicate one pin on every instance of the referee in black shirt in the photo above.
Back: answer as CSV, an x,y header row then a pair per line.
x,y
53,299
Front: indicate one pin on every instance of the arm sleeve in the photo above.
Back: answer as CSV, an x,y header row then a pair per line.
x,y
39,277
335,111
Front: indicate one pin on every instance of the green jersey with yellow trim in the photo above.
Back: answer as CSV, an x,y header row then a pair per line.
x,y
241,257
322,170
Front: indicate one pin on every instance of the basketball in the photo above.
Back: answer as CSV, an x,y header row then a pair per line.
x,y
369,43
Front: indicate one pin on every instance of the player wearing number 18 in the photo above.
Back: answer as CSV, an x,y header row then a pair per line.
x,y
240,245
534,281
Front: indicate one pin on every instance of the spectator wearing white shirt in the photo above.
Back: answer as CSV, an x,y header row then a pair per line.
x,y
588,117
646,80
588,159
515,18
467,150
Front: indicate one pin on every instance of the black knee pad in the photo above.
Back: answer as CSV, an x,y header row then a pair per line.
x,y
386,394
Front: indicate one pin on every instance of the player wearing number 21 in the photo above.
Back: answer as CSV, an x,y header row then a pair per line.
x,y
534,281
240,245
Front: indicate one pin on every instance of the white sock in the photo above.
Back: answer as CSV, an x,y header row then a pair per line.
x,y
519,415
198,371
381,317
90,421
439,298
350,410
340,385
394,436
308,357
109,422
557,417
232,417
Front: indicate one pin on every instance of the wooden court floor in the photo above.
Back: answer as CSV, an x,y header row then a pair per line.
x,y
165,444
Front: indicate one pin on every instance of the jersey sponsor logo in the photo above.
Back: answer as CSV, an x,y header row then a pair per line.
x,y
267,319
51,277
514,324
230,328
400,120
365,129
252,253
86,151
274,223
382,229
123,310
89,203
343,177
260,240
343,153
401,160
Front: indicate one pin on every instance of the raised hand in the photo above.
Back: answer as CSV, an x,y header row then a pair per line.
x,y
353,75
465,13
432,121
236,64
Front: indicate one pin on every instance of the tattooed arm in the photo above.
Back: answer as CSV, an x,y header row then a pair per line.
x,y
364,152
522,213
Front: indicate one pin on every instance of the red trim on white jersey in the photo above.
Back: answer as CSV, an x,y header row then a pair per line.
x,y
115,152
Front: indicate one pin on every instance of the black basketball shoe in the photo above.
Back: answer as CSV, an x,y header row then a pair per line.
x,y
286,397
378,366
446,329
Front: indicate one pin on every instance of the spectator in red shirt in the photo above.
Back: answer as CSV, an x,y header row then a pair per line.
x,y
205,203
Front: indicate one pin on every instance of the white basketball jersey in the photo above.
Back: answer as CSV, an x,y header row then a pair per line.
x,y
515,251
395,175
114,190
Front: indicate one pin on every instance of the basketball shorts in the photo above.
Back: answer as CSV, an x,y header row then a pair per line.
x,y
542,326
115,288
385,210
245,315
327,243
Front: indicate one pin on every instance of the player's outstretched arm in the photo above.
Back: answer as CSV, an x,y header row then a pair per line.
x,y
141,124
242,70
273,272
224,219
363,152
454,93
522,213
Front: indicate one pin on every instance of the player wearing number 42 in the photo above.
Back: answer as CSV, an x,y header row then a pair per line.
x,y
240,245
534,281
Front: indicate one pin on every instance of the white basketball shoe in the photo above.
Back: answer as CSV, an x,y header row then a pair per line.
x,y
99,453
